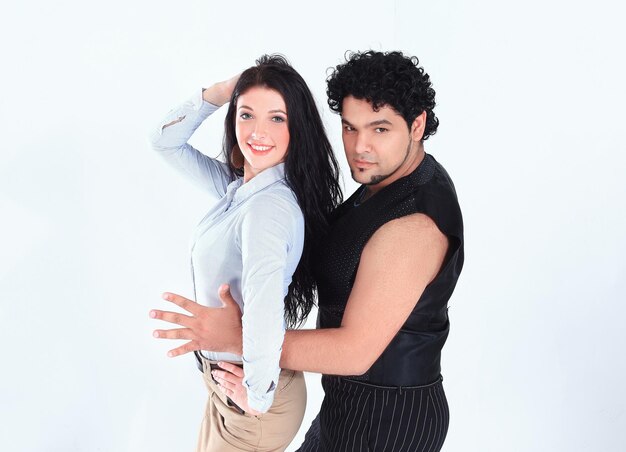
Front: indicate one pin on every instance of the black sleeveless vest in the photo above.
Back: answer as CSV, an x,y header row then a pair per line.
x,y
413,356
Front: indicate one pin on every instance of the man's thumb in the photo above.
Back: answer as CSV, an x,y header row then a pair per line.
x,y
224,293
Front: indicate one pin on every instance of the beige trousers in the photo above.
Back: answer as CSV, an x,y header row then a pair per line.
x,y
225,429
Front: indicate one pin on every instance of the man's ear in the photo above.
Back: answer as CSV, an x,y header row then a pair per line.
x,y
418,126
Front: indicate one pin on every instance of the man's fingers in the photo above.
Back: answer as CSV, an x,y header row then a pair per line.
x,y
232,368
173,317
178,333
224,293
186,348
181,301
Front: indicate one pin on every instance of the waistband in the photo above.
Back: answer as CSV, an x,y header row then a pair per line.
x,y
333,382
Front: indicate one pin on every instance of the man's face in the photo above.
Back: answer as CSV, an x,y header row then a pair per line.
x,y
377,143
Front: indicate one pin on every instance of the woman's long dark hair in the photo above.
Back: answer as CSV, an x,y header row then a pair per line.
x,y
311,170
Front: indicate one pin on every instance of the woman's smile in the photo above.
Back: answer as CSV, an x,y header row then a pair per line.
x,y
260,149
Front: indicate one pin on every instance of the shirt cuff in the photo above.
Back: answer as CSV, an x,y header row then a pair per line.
x,y
189,114
261,403
201,105
261,400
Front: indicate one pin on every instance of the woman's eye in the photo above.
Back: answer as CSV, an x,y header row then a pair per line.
x,y
245,116
278,119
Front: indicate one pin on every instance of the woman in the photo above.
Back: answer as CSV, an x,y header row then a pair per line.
x,y
274,195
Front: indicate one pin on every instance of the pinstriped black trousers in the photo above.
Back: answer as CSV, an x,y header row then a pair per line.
x,y
358,416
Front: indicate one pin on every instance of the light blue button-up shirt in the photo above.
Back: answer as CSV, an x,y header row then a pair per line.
x,y
252,239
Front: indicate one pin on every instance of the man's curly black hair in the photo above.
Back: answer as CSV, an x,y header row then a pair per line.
x,y
385,78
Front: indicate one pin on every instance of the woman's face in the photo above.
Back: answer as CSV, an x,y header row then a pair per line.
x,y
261,126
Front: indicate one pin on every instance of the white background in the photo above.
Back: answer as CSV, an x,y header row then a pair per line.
x,y
94,226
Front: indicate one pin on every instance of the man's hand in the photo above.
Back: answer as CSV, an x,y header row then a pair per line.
x,y
215,329
230,382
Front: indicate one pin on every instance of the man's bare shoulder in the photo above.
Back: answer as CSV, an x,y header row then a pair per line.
x,y
410,230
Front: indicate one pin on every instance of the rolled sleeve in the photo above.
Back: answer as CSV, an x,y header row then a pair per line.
x,y
267,237
170,140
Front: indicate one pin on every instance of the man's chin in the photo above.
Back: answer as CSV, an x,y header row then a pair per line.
x,y
359,177
366,178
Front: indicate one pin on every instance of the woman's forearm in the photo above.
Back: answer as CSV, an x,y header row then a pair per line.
x,y
216,94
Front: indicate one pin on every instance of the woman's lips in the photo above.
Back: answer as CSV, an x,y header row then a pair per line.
x,y
260,149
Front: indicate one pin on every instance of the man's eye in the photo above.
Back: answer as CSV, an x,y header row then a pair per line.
x,y
245,116
348,128
380,130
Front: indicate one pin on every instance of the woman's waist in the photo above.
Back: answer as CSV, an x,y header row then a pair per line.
x,y
221,356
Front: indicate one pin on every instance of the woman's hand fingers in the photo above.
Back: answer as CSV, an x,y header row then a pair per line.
x,y
226,391
231,385
225,383
232,368
227,376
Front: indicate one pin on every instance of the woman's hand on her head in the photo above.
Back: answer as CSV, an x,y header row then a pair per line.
x,y
216,329
230,382
228,86
220,93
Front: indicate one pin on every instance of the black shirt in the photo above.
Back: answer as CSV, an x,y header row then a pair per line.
x,y
413,356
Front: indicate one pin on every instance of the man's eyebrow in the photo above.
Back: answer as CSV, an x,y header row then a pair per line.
x,y
378,122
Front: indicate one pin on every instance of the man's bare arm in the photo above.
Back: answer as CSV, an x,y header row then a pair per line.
x,y
396,265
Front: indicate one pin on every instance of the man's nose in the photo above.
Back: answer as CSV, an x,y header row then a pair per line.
x,y
362,144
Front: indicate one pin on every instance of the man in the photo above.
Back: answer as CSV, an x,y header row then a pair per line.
x,y
385,273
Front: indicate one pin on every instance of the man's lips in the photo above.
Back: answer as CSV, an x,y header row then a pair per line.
x,y
363,164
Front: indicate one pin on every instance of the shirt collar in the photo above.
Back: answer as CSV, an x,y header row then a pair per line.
x,y
239,192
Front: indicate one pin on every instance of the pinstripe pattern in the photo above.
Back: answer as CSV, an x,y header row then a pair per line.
x,y
358,417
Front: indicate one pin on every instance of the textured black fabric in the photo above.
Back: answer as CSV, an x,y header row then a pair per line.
x,y
413,356
358,416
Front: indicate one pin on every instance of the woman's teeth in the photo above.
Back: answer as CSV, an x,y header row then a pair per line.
x,y
260,148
